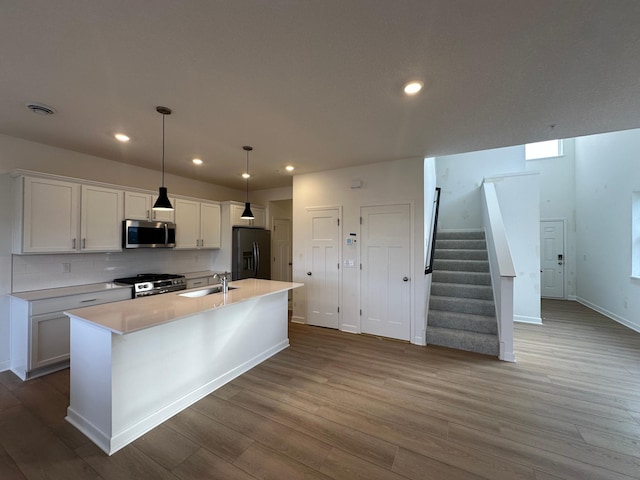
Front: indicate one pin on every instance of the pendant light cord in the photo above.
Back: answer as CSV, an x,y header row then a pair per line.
x,y
247,175
163,115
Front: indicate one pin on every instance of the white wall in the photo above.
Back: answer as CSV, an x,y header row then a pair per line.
x,y
460,177
519,199
390,182
5,267
607,172
557,202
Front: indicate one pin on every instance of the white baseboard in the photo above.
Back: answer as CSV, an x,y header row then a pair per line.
x,y
617,318
525,319
299,320
349,328
572,298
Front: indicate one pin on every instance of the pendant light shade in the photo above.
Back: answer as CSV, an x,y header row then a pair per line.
x,y
247,214
163,203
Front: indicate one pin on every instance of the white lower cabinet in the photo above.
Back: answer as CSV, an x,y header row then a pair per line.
x,y
40,330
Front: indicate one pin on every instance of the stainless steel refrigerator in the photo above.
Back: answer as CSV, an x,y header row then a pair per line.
x,y
251,253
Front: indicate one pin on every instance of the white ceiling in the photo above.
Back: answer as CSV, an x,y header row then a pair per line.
x,y
314,83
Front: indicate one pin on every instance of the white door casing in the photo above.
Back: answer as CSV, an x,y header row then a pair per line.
x,y
386,271
322,267
281,246
552,259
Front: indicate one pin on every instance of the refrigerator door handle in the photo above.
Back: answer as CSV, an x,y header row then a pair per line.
x,y
256,250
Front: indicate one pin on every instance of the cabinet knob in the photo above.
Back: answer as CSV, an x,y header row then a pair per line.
x,y
309,273
405,279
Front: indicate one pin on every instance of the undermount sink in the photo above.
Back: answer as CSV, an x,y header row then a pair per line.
x,y
204,291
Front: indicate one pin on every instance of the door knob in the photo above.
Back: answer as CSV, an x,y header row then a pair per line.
x,y
405,279
559,263
309,273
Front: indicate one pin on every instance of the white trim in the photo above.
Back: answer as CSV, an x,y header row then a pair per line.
x,y
616,318
526,319
298,320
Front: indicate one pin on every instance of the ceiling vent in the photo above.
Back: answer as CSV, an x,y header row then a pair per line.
x,y
40,109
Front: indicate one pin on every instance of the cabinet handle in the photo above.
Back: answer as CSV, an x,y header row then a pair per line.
x,y
84,243
88,300
73,243
148,215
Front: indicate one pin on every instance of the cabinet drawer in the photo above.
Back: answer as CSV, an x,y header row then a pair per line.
x,y
70,302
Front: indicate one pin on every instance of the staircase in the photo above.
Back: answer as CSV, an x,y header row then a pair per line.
x,y
461,308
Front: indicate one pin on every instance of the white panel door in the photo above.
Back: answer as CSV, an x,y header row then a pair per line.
x,y
386,271
552,259
323,274
281,246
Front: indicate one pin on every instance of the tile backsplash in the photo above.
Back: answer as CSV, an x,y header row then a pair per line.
x,y
35,272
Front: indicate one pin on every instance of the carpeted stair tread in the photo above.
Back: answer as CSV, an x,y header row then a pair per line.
x,y
457,235
463,305
463,321
461,277
483,292
461,254
461,265
463,340
461,244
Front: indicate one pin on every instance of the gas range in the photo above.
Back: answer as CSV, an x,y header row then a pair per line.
x,y
145,284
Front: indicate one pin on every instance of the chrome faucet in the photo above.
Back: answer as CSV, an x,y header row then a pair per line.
x,y
224,280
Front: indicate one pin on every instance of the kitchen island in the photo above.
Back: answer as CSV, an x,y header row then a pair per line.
x,y
136,363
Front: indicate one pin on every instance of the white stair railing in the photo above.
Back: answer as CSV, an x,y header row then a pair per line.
x,y
502,269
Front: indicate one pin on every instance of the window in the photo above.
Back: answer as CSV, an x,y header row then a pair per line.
x,y
635,234
548,149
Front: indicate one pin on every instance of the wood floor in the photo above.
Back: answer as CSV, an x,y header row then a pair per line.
x,y
342,406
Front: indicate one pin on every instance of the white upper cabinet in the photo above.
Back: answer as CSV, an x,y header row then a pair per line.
x,y
49,216
101,219
210,225
66,217
258,212
197,224
138,206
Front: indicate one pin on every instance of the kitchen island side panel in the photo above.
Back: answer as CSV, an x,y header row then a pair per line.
x,y
157,372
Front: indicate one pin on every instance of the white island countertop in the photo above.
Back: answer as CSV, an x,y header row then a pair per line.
x,y
129,316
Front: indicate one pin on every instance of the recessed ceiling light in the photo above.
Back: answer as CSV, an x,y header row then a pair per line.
x,y
197,161
122,137
412,88
246,175
289,168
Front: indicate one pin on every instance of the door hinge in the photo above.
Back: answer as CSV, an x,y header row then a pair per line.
x,y
338,221
360,266
274,228
338,309
360,312
360,220
338,265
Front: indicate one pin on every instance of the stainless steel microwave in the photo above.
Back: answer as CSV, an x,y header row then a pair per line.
x,y
145,234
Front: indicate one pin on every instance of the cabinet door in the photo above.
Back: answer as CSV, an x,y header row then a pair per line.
x,y
209,225
187,223
101,219
49,339
163,215
137,206
50,216
260,215
236,212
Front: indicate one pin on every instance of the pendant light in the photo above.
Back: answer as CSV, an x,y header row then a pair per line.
x,y
163,203
247,214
